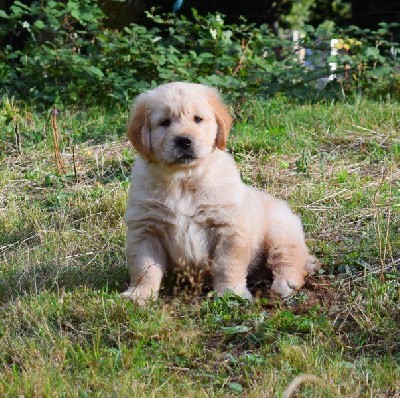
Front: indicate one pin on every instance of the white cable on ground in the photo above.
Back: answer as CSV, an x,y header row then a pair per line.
x,y
300,379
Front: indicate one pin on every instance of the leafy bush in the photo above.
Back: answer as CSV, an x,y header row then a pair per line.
x,y
70,56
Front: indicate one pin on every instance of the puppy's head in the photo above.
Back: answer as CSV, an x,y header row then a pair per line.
x,y
179,124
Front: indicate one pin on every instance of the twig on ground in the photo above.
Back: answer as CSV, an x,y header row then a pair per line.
x,y
383,241
17,137
74,163
57,154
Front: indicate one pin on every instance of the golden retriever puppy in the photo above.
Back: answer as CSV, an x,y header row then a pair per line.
x,y
188,206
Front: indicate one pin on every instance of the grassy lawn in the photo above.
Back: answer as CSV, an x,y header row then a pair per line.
x,y
64,330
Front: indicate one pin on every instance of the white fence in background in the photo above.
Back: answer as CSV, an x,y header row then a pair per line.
x,y
303,52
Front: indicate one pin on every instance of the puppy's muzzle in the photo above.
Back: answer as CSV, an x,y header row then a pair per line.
x,y
183,142
184,149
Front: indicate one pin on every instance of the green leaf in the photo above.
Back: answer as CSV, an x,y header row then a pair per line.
x,y
372,52
379,72
39,24
236,329
236,388
76,14
95,71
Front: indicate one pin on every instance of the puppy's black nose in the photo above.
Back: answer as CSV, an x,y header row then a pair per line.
x,y
183,142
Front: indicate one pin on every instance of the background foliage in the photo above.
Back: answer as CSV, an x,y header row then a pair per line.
x,y
68,55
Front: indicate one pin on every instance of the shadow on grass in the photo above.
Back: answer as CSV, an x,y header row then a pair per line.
x,y
112,275
108,276
50,277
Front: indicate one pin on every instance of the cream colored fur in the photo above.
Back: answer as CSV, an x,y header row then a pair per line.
x,y
186,209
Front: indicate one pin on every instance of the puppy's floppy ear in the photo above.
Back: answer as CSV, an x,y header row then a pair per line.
x,y
138,130
224,119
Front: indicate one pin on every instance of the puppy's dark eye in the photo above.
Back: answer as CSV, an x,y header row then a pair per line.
x,y
197,119
165,123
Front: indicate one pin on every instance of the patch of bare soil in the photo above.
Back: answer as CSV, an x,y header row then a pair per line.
x,y
192,287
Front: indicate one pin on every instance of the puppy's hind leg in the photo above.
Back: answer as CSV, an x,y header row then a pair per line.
x,y
288,255
146,258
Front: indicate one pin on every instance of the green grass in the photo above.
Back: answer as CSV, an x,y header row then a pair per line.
x,y
65,331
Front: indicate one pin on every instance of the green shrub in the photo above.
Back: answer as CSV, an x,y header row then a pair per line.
x,y
70,56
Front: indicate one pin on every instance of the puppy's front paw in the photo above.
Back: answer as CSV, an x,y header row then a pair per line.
x,y
286,286
312,265
239,289
139,294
